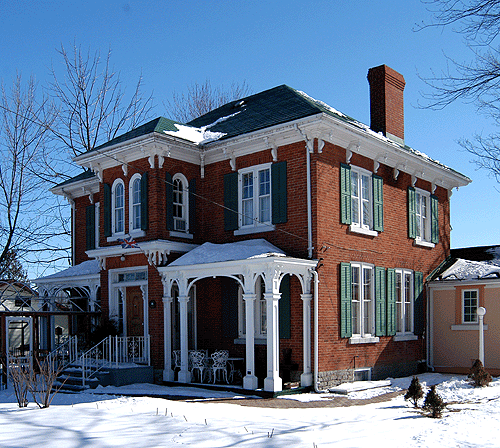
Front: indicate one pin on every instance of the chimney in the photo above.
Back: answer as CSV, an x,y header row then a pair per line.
x,y
386,102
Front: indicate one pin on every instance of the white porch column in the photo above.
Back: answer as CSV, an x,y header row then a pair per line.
x,y
272,382
168,373
306,378
250,381
184,373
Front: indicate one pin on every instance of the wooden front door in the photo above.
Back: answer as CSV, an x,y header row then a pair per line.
x,y
135,311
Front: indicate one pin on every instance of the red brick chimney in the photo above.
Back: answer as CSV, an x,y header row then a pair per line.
x,y
386,102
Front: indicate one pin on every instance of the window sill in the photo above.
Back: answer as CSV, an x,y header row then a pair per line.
x,y
257,341
177,234
405,337
423,244
363,340
474,326
137,233
255,229
367,232
115,237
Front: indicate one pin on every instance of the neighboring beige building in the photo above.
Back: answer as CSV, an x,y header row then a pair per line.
x,y
468,279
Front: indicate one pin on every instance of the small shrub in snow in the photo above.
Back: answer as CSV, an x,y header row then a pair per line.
x,y
434,403
479,377
415,392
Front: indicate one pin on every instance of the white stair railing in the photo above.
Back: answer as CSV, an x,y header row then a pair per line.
x,y
64,354
114,350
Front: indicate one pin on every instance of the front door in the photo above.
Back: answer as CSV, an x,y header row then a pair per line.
x,y
135,311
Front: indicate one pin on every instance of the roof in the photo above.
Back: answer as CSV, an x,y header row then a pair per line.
x,y
218,253
87,174
469,263
160,125
89,267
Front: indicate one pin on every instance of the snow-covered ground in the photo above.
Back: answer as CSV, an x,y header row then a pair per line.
x,y
107,419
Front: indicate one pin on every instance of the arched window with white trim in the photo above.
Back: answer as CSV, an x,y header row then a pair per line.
x,y
118,207
180,203
135,203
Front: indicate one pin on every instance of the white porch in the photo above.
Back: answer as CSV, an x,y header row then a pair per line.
x,y
245,262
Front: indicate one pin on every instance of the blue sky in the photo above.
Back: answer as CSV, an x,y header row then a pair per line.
x,y
322,47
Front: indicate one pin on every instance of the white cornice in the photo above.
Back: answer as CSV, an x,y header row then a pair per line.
x,y
77,189
357,137
155,251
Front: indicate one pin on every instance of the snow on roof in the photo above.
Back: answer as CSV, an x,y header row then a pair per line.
x,y
471,270
199,136
89,267
218,253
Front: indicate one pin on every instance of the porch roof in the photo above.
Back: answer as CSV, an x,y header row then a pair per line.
x,y
89,268
218,253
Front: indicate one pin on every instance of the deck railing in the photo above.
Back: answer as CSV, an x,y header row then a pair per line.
x,y
64,354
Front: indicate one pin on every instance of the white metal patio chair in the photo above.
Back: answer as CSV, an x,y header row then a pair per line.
x,y
198,362
219,364
176,360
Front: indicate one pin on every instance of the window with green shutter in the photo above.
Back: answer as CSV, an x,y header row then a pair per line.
x,y
192,206
279,192
419,309
90,227
391,302
423,217
345,300
345,194
285,308
231,201
380,302
378,203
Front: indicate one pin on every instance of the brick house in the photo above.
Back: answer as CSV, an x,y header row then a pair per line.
x,y
275,213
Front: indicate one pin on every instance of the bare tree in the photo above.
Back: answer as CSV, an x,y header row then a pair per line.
x,y
27,218
476,81
91,102
11,268
202,98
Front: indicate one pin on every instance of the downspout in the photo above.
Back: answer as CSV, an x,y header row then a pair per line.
x,y
309,150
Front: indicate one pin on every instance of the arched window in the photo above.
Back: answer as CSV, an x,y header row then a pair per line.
x,y
135,202
180,203
118,204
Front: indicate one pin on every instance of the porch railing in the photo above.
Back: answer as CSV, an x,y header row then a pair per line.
x,y
114,350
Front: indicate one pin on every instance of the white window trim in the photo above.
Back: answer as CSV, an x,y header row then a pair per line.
x,y
365,338
407,332
113,207
474,322
132,230
358,227
419,241
256,226
185,203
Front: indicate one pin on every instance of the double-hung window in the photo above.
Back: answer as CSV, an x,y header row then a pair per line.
x,y
118,204
423,225
260,312
255,196
362,300
180,205
469,306
361,200
135,202
404,301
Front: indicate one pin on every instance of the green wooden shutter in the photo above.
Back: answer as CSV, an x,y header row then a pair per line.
x,y
434,219
345,194
90,227
169,201
229,308
231,201
380,302
192,206
418,306
412,216
391,302
345,300
279,193
285,309
144,202
107,209
378,203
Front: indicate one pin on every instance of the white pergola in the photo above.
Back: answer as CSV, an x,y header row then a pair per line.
x,y
244,262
